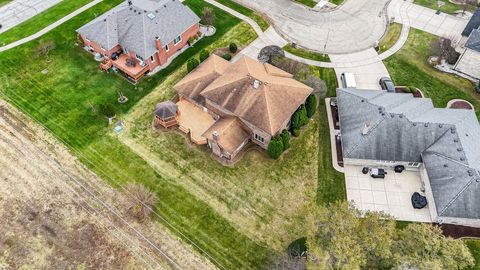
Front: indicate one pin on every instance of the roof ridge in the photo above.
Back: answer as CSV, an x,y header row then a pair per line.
x,y
367,136
265,96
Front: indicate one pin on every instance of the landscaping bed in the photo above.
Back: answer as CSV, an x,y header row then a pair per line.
x,y
409,90
460,104
306,53
391,37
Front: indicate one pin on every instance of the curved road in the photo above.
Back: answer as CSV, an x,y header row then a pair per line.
x,y
352,27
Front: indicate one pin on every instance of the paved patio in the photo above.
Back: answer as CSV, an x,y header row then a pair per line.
x,y
391,195
194,120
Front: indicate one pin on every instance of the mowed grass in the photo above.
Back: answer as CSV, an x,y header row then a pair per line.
x,y
308,3
409,67
41,20
447,7
66,101
259,18
392,36
474,247
4,2
306,53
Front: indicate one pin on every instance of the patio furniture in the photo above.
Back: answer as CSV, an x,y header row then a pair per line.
x,y
365,170
418,201
377,173
399,168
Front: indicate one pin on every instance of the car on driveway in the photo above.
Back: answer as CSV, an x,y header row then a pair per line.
x,y
387,84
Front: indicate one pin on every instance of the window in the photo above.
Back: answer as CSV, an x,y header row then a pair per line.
x,y
167,48
138,57
152,58
177,40
125,50
259,138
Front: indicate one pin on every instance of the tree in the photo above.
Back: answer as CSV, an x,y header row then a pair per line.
x,y
107,110
208,16
422,246
299,118
298,69
311,105
285,136
275,147
269,52
141,201
192,64
44,48
477,87
227,56
233,47
319,86
204,54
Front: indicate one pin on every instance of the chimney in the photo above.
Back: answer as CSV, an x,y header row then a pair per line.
x,y
366,128
215,135
129,2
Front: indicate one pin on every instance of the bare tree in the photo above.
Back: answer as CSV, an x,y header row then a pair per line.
x,y
44,48
208,16
141,201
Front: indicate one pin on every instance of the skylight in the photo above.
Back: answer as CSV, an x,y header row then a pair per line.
x,y
151,16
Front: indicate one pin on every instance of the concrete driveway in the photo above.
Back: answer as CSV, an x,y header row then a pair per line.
x,y
366,76
352,27
391,195
19,11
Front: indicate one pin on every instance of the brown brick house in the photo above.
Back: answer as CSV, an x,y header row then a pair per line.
x,y
139,36
250,101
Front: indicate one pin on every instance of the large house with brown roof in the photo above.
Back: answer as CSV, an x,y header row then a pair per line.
x,y
248,100
139,36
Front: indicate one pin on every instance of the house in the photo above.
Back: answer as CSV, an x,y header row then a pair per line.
x,y
439,145
248,100
469,61
138,36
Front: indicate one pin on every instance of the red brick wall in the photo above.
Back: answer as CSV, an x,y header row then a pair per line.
x,y
163,55
98,48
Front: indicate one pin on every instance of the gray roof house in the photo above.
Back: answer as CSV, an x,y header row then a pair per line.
x,y
136,24
469,61
381,126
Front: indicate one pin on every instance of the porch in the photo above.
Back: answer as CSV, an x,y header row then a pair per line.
x,y
133,72
194,120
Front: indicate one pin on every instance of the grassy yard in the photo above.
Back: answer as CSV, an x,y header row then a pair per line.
x,y
66,100
4,2
448,7
306,53
308,3
257,17
474,246
337,2
41,20
392,36
409,67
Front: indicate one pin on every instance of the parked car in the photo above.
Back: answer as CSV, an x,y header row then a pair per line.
x,y
387,84
399,168
377,173
348,80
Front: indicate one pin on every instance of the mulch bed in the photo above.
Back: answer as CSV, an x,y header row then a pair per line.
x,y
458,231
417,94
338,148
461,105
336,120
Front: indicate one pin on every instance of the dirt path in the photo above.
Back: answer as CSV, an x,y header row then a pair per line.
x,y
56,214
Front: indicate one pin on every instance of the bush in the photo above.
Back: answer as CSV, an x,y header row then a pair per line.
x,y
296,132
411,89
267,53
285,136
275,147
191,40
227,56
477,87
311,105
452,56
107,110
318,85
204,54
233,47
192,64
141,201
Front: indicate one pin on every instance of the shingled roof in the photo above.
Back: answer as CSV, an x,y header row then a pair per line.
x,y
472,24
232,88
473,41
137,26
403,128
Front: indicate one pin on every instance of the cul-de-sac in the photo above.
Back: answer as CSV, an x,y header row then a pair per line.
x,y
240,134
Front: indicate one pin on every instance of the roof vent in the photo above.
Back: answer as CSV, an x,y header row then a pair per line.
x,y
459,149
426,125
462,159
392,115
440,125
151,16
366,128
445,165
256,84
129,2
215,135
452,131
401,116
414,124
470,173
455,140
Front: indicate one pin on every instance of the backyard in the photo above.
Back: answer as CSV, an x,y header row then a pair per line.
x,y
444,6
66,101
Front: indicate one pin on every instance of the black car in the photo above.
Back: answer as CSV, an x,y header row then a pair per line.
x,y
387,84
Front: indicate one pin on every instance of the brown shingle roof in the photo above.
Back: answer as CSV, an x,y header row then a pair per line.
x,y
230,133
269,106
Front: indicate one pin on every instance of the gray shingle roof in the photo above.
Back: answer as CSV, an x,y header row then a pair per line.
x,y
404,128
473,41
472,24
137,26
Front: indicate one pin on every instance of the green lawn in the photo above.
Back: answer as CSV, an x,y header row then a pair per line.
x,y
40,21
474,246
4,2
66,100
306,53
308,3
337,2
409,67
257,17
448,7
391,37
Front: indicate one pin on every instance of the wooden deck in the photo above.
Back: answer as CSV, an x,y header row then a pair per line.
x,y
194,120
134,72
